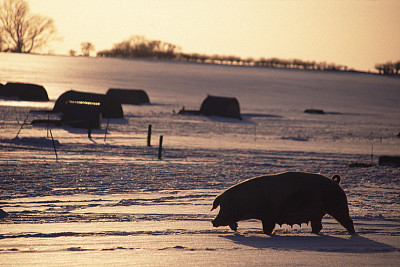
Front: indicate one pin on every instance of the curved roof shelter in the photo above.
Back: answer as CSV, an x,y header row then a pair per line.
x,y
129,96
109,106
24,91
221,106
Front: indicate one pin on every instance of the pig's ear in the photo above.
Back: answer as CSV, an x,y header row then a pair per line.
x,y
216,202
336,178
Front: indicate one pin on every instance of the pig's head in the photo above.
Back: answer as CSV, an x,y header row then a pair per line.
x,y
219,220
227,215
225,218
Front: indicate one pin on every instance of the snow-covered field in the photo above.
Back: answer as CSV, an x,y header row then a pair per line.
x,y
113,202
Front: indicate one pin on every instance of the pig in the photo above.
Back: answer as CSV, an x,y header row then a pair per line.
x,y
285,198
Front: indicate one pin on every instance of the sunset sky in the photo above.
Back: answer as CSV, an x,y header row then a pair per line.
x,y
356,33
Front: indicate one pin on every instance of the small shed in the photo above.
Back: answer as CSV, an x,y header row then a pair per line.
x,y
129,96
109,106
82,114
389,161
2,92
221,106
24,91
314,111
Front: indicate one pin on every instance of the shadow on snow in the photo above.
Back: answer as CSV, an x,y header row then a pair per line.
x,y
319,243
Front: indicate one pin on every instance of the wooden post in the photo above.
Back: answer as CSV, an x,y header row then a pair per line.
x,y
372,154
160,147
149,135
48,125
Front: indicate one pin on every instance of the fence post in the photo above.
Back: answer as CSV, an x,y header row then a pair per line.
x,y
160,147
149,135
48,125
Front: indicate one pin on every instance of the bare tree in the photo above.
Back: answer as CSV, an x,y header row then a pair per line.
x,y
86,48
22,31
72,52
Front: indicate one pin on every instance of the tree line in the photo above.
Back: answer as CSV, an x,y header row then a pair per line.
x,y
141,47
262,62
388,68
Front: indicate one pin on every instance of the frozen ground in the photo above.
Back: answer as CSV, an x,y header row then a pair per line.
x,y
114,203
172,227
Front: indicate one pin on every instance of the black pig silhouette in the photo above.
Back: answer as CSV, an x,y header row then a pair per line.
x,y
285,198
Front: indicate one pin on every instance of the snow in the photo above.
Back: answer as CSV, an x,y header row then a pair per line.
x,y
173,228
113,202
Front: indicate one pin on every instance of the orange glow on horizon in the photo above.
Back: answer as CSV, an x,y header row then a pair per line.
x,y
356,33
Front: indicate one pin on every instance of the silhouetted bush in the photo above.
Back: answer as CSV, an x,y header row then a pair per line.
x,y
140,47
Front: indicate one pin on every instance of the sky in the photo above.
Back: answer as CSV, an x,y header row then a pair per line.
x,y
356,33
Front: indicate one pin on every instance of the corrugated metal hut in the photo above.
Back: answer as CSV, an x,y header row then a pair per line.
x,y
24,91
221,106
129,96
82,114
109,106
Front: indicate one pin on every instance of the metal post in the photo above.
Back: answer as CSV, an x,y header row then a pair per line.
x,y
54,145
105,135
22,125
